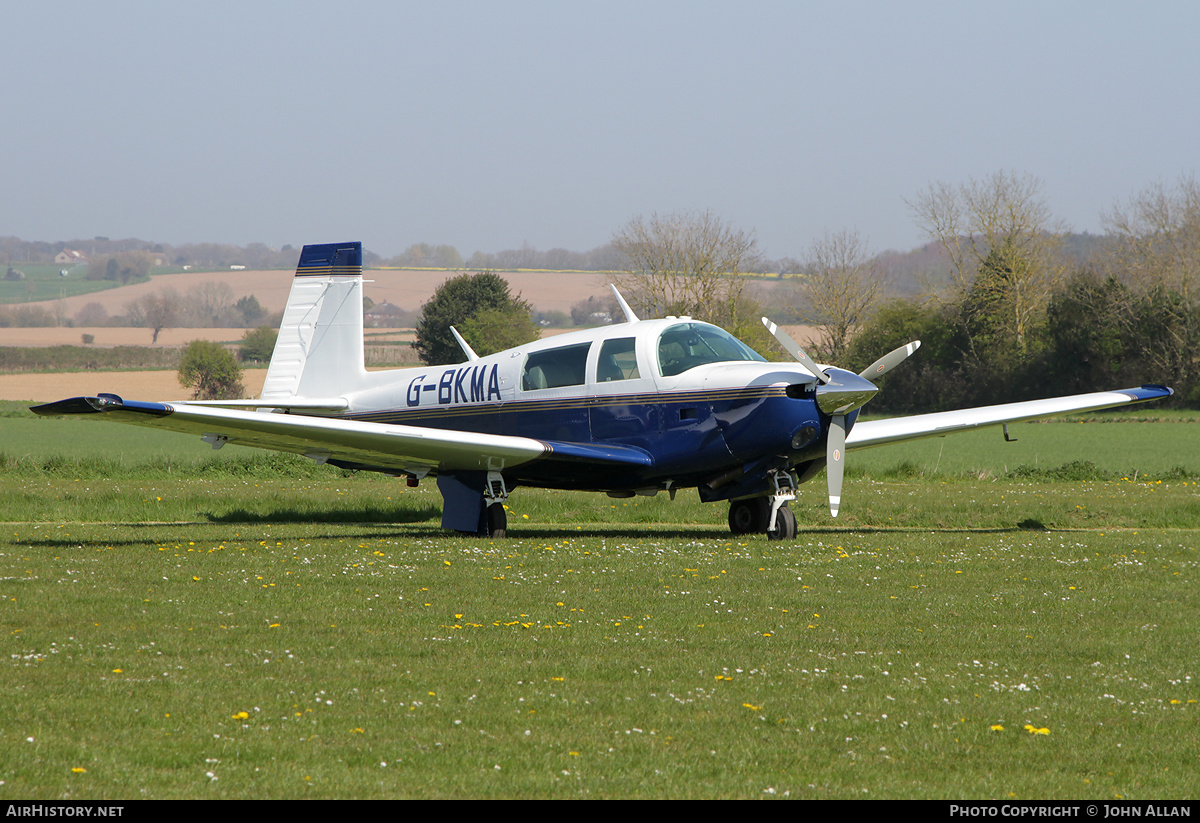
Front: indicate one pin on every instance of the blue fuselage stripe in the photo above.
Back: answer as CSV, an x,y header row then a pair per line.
x,y
688,433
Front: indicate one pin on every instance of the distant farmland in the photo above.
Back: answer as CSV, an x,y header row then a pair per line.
x,y
407,289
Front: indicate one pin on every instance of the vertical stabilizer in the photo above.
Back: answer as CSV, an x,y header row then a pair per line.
x,y
319,353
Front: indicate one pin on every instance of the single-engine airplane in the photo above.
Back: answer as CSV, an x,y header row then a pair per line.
x,y
637,407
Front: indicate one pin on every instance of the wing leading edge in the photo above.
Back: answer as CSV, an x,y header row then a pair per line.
x,y
375,446
894,430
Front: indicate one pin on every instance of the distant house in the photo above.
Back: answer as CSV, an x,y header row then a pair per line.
x,y
384,315
69,256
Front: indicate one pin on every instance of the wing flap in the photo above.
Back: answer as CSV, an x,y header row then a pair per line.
x,y
881,432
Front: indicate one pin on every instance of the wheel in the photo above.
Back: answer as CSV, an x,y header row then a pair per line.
x,y
749,516
497,521
785,525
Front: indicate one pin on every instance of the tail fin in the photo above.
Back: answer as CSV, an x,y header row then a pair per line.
x,y
319,353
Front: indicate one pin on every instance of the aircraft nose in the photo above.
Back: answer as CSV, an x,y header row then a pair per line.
x,y
844,392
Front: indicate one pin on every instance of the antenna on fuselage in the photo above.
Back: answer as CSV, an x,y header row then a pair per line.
x,y
630,317
466,347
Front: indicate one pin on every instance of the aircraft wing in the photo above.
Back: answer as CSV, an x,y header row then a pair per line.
x,y
893,430
353,443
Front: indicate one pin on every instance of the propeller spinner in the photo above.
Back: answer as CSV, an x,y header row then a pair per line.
x,y
839,393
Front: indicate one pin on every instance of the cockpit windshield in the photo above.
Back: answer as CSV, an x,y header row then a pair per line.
x,y
687,345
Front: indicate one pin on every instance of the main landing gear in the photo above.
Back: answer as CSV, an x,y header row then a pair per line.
x,y
497,515
769,514
497,521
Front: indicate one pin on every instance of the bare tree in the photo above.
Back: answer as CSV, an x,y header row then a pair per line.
x,y
840,286
209,303
684,263
1001,240
157,311
1156,251
1158,238
92,314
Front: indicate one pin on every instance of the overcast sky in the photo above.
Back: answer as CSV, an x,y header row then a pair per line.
x,y
487,125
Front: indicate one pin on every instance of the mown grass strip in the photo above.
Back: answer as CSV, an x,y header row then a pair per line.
x,y
370,660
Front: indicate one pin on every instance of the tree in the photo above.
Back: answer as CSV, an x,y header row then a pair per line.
x,y
690,263
258,345
596,310
462,298
126,266
157,311
211,371
249,309
423,255
493,330
1156,252
839,288
683,263
1158,238
209,303
1001,224
93,314
931,380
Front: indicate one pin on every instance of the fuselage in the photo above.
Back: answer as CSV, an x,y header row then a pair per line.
x,y
681,391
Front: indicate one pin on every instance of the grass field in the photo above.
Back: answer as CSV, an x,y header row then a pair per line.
x,y
979,623
44,282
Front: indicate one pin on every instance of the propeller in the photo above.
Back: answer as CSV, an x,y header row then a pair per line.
x,y
839,393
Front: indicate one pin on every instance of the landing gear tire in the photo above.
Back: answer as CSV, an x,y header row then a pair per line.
x,y
497,521
749,516
785,525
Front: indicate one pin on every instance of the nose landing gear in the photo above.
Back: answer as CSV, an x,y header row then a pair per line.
x,y
768,514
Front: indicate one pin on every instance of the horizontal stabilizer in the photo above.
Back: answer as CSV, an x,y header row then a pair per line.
x,y
105,403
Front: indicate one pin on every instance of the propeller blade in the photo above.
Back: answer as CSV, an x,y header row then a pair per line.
x,y
889,361
835,462
795,351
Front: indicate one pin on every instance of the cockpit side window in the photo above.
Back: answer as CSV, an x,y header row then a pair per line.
x,y
553,368
618,360
688,345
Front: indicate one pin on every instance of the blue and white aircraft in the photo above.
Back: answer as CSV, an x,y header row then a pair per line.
x,y
638,407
